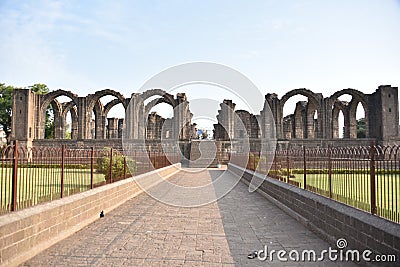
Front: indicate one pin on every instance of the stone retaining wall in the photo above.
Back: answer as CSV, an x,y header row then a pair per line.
x,y
25,233
330,219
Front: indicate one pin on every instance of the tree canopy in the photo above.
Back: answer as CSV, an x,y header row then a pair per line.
x,y
6,92
361,128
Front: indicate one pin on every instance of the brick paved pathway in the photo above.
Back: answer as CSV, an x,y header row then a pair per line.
x,y
146,232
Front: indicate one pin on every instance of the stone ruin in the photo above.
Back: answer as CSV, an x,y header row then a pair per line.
x,y
297,129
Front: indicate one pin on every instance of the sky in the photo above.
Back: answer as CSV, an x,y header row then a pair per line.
x,y
85,46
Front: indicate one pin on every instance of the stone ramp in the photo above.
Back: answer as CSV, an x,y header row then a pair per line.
x,y
146,232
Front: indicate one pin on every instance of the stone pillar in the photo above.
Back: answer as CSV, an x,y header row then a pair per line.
x,y
276,109
112,128
226,118
83,118
25,112
100,127
300,119
324,120
132,118
181,118
59,123
120,127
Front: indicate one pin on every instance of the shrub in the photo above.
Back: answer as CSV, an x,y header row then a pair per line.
x,y
117,168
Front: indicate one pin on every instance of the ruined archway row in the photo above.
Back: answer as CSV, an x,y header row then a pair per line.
x,y
380,108
381,116
29,115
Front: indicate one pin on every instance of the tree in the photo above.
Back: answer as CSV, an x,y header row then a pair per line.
x,y
6,99
361,128
39,88
6,108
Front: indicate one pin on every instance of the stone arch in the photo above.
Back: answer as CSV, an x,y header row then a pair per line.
x,y
110,105
94,104
47,98
351,123
155,102
158,92
302,91
353,92
50,99
57,111
313,104
99,94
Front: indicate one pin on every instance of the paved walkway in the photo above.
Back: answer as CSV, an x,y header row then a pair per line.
x,y
146,232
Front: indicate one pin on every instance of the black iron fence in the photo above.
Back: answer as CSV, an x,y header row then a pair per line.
x,y
32,175
367,178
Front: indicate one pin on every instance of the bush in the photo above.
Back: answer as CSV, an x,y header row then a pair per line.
x,y
117,168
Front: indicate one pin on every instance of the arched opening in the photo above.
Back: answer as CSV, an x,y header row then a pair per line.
x,y
92,127
69,121
341,126
159,121
55,118
361,122
114,112
300,115
68,125
355,112
108,112
315,122
49,128
53,114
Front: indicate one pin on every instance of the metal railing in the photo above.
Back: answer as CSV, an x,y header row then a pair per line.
x,y
33,175
367,178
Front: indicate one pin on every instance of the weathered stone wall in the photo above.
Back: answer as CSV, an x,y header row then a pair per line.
x,y
315,122
89,116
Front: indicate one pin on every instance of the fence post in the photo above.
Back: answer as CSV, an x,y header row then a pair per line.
x,y
14,177
304,168
62,169
135,170
111,159
91,167
287,164
372,178
275,163
330,170
124,167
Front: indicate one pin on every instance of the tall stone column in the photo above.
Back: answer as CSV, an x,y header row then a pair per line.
x,y
276,109
83,118
181,117
132,118
268,117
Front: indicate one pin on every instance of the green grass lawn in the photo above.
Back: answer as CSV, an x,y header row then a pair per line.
x,y
36,185
354,189
40,184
